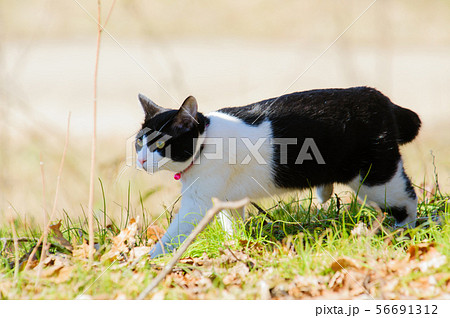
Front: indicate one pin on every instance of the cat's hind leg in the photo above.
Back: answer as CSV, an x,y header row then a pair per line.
x,y
396,196
324,192
228,219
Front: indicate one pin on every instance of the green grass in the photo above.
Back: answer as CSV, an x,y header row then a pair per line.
x,y
283,244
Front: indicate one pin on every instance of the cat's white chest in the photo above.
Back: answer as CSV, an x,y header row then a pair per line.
x,y
236,160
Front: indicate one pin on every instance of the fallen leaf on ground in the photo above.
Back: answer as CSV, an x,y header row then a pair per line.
x,y
57,267
236,274
345,262
50,271
418,250
81,251
154,233
123,243
139,251
59,236
64,274
229,256
427,256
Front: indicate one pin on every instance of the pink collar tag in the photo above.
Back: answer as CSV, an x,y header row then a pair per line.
x,y
177,176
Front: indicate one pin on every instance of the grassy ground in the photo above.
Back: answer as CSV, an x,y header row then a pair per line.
x,y
287,249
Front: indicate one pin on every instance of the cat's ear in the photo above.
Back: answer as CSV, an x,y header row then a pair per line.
x,y
150,108
187,114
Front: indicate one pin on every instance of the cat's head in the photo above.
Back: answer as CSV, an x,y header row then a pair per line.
x,y
169,138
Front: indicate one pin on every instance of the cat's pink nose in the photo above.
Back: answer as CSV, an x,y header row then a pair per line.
x,y
142,161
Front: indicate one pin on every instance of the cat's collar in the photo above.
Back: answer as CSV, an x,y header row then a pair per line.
x,y
177,176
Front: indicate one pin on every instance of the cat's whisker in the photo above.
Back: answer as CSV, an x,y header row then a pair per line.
x,y
121,172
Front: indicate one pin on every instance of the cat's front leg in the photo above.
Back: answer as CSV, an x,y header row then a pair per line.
x,y
191,212
227,219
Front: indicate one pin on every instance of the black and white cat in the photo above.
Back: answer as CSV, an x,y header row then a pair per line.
x,y
307,139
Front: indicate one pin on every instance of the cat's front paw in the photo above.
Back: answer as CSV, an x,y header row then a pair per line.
x,y
158,250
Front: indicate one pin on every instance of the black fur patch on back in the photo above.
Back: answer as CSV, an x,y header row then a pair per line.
x,y
253,114
355,130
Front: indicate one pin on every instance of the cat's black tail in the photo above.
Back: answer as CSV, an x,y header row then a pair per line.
x,y
408,123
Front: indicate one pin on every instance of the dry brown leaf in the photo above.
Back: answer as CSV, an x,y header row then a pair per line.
x,y
307,285
204,261
58,274
33,263
184,280
236,274
123,243
59,236
81,251
139,251
187,260
58,268
336,281
427,256
345,262
418,250
64,274
228,256
154,233
50,271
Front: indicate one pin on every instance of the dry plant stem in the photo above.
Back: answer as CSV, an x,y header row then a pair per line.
x,y
94,138
160,242
109,14
217,207
16,251
55,201
19,239
44,242
94,130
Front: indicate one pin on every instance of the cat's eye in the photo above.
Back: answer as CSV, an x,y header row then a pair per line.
x,y
160,144
139,142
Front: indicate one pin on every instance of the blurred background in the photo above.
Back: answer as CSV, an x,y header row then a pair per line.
x,y
225,53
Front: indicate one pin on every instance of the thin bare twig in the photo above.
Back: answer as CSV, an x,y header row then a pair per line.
x,y
94,138
44,242
55,201
237,258
5,240
217,207
160,242
109,14
94,130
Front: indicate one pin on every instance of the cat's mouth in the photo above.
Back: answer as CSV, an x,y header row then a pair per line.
x,y
150,165
142,165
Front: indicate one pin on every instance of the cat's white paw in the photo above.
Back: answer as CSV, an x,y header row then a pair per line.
x,y
324,192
